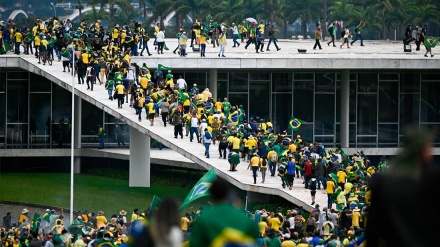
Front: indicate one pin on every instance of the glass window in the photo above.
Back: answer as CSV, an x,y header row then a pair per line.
x,y
2,81
16,135
430,77
388,133
61,135
303,100
108,118
325,82
410,82
306,132
388,101
430,102
366,141
435,128
238,82
353,76
367,114
39,83
198,78
240,99
222,76
388,76
18,75
259,96
326,140
367,82
39,121
2,117
17,101
91,118
282,82
259,76
409,111
324,114
303,77
282,111
61,104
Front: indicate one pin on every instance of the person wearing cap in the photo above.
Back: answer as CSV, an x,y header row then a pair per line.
x,y
115,35
120,92
101,219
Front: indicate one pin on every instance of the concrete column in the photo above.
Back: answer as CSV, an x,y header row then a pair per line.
x,y
345,106
257,197
213,83
77,138
139,174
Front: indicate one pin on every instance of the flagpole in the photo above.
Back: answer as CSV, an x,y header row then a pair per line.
x,y
72,168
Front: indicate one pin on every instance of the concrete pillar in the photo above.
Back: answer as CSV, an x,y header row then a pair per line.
x,y
257,197
213,83
345,106
139,174
77,137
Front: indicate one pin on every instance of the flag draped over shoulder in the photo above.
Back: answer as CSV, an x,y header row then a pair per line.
x,y
200,189
431,41
295,123
154,204
161,67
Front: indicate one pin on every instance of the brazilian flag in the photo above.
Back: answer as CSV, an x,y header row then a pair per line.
x,y
200,189
234,118
431,42
28,38
182,96
165,46
161,67
154,204
295,123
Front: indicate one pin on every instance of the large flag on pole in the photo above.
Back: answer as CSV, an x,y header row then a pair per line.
x,y
295,123
200,189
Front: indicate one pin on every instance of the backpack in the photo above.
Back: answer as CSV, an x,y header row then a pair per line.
x,y
92,71
343,33
207,135
313,184
273,157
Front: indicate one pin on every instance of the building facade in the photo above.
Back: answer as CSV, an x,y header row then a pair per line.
x,y
35,113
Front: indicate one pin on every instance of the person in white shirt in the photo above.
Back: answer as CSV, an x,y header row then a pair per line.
x,y
235,35
160,38
194,128
181,82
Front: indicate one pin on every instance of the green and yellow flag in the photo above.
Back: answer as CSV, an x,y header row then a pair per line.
x,y
36,222
200,189
182,96
295,123
161,67
431,42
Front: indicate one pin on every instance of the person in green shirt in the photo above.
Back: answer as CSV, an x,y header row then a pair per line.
x,y
223,224
226,107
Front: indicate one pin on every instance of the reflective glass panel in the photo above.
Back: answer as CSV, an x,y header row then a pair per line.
x,y
259,96
238,82
39,121
39,83
282,110
410,82
388,133
324,114
367,82
282,82
17,101
409,111
325,82
367,114
303,100
430,102
388,101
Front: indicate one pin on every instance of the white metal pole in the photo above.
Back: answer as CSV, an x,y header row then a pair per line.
x,y
72,148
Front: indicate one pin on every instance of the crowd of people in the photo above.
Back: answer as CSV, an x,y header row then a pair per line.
x,y
103,58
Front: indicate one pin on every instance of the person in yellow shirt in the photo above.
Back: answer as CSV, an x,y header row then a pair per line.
x,y
151,112
115,35
101,220
42,50
330,190
218,105
18,38
120,91
140,105
37,42
262,227
342,176
185,222
203,42
275,223
255,164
